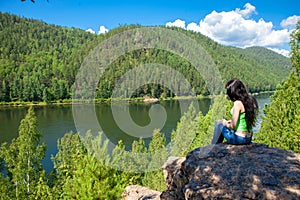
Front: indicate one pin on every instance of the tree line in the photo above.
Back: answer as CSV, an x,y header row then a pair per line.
x,y
39,62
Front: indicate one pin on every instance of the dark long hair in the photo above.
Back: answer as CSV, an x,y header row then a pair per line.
x,y
236,90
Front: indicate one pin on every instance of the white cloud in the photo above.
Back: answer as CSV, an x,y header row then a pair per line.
x,y
249,9
290,22
90,31
102,30
177,23
193,27
284,52
236,28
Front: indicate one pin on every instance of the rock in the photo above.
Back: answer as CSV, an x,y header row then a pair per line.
x,y
150,100
134,192
227,171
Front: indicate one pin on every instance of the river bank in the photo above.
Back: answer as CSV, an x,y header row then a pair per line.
x,y
145,99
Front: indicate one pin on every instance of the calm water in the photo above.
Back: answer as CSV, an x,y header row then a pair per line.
x,y
55,121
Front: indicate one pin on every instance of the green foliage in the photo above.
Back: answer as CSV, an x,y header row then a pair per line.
x,y
44,69
80,174
205,125
154,178
185,132
280,127
295,46
39,62
23,162
92,180
5,187
70,151
139,146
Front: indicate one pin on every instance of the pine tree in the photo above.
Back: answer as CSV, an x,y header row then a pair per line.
x,y
280,126
81,173
157,150
70,152
205,124
185,133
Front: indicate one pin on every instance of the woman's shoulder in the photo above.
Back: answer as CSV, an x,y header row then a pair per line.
x,y
238,103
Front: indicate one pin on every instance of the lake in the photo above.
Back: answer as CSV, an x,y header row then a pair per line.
x,y
56,120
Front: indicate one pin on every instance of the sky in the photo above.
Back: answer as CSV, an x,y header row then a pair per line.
x,y
240,23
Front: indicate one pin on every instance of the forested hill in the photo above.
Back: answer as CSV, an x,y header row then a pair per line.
x,y
39,62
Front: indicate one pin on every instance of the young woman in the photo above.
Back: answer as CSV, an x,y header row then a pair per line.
x,y
238,130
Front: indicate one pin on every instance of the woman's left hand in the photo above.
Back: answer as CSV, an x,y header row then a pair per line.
x,y
226,123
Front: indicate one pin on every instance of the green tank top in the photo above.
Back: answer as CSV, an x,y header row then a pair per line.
x,y
241,124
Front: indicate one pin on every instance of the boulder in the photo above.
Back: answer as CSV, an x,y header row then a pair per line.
x,y
227,171
134,192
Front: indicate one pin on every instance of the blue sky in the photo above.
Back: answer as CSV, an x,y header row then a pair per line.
x,y
231,22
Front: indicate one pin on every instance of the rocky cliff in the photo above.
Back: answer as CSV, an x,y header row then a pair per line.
x,y
226,171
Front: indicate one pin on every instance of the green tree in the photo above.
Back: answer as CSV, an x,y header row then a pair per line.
x,y
45,68
185,133
205,124
23,161
280,126
70,151
154,178
82,170
5,186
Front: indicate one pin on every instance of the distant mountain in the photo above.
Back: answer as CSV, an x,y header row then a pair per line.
x,y
39,62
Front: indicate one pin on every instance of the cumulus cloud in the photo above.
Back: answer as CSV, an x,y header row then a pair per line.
x,y
177,23
284,52
90,31
232,28
236,28
193,27
102,30
290,22
247,12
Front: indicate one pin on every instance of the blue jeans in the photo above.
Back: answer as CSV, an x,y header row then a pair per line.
x,y
222,132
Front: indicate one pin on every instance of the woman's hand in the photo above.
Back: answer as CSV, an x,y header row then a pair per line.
x,y
227,123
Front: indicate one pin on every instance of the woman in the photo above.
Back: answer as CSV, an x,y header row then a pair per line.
x,y
238,130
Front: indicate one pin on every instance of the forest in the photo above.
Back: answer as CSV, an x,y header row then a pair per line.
x,y
83,169
39,62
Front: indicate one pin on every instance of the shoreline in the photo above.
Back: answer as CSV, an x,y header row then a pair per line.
x,y
100,101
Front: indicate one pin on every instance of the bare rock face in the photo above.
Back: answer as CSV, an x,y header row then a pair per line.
x,y
134,192
227,171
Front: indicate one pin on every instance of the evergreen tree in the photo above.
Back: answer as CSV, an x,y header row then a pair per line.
x,y
154,178
45,68
70,152
205,124
185,133
140,156
280,126
82,170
